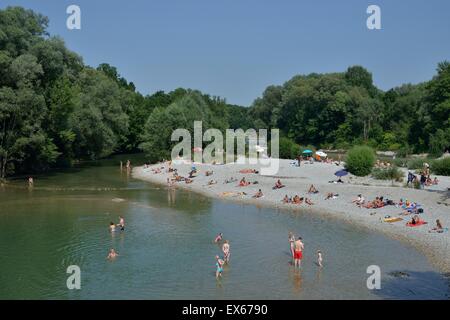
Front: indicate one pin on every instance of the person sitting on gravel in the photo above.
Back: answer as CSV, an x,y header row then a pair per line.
x,y
278,185
188,181
243,183
359,200
313,189
259,194
209,173
297,200
286,199
438,228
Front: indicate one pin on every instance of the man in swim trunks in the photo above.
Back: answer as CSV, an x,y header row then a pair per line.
x,y
298,252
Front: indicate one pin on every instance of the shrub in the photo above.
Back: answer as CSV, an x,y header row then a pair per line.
x,y
400,162
360,160
417,163
288,149
441,167
392,173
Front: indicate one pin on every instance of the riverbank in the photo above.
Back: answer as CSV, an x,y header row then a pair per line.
x,y
434,200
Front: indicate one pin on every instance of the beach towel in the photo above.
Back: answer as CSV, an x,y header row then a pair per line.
x,y
419,223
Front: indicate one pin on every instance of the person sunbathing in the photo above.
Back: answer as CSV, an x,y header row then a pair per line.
x,y
286,199
209,173
249,171
188,181
331,195
416,220
438,228
308,201
211,182
259,194
243,183
313,189
278,185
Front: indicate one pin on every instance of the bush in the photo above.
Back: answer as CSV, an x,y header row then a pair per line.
x,y
441,167
288,148
392,173
417,163
400,162
360,160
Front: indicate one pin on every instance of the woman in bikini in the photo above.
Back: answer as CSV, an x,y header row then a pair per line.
x,y
291,238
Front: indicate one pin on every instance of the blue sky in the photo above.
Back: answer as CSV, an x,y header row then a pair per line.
x,y
236,48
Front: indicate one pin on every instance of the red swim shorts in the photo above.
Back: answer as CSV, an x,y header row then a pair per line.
x,y
298,255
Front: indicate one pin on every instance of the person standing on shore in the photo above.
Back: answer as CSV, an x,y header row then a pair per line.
x,y
298,252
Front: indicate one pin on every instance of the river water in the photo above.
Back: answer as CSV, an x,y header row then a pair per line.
x,y
167,249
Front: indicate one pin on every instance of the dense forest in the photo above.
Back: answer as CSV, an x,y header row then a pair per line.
x,y
55,110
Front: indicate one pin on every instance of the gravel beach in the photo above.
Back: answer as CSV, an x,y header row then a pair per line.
x,y
434,200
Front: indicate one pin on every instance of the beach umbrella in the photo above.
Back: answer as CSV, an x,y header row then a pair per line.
x,y
321,154
307,151
341,173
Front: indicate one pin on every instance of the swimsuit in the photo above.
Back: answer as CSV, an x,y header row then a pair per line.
x,y
298,254
219,268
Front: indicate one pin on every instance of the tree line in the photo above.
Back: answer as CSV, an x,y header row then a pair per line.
x,y
55,110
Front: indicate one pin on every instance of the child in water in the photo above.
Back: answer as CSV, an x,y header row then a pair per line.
x,y
218,238
112,227
319,258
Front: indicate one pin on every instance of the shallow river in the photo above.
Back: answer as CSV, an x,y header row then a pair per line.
x,y
167,252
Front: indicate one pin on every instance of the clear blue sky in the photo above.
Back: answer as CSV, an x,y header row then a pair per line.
x,y
236,48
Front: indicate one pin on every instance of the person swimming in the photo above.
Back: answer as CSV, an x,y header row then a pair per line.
x,y
218,238
112,254
219,267
226,251
112,227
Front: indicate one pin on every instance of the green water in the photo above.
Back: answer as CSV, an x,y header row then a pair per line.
x,y
166,251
